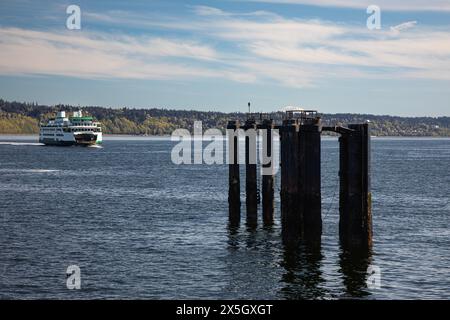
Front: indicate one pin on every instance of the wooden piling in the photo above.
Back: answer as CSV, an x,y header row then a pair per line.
x,y
234,189
290,212
251,187
267,178
309,180
355,207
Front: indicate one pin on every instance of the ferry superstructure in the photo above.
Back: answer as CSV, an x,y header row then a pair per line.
x,y
74,130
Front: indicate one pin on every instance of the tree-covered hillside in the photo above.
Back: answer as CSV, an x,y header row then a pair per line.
x,y
24,118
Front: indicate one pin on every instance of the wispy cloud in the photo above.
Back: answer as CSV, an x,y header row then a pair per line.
x,y
403,26
211,11
98,55
395,5
246,47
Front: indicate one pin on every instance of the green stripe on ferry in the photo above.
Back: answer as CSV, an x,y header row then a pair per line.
x,y
81,118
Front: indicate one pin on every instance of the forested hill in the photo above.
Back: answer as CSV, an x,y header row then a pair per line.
x,y
24,118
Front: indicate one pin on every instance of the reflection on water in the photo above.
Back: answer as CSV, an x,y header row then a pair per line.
x,y
353,267
233,238
302,278
298,267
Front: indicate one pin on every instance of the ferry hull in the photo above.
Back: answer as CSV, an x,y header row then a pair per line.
x,y
82,140
51,142
68,143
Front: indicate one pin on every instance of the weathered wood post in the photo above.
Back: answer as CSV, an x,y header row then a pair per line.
x,y
267,171
290,212
355,203
309,179
234,189
251,187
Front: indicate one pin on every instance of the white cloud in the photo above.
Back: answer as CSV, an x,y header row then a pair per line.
x,y
403,26
97,55
396,5
335,50
209,11
245,47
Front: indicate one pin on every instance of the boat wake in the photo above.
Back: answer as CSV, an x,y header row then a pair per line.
x,y
95,146
5,170
21,143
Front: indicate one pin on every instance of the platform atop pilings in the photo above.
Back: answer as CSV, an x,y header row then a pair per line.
x,y
280,119
259,120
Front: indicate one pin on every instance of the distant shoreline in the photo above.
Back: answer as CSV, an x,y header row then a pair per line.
x,y
24,118
167,137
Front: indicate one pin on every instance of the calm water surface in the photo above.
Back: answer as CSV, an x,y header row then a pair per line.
x,y
141,227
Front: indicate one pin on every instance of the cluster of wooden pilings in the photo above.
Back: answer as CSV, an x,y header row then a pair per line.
x,y
300,162
251,173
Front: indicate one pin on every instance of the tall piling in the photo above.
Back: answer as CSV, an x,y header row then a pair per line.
x,y
309,179
290,211
355,203
268,172
234,188
251,187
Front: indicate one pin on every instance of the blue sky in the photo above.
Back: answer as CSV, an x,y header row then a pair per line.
x,y
218,55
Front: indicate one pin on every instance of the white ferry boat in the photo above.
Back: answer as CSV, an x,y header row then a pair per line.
x,y
67,131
